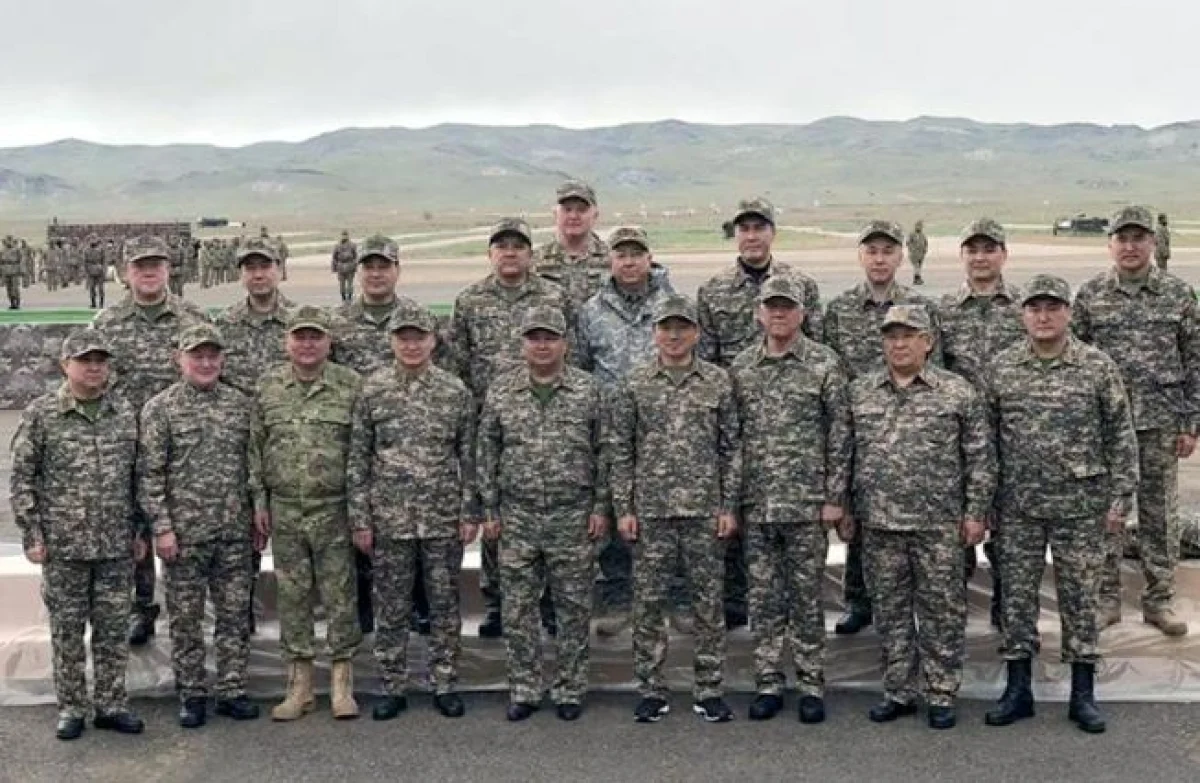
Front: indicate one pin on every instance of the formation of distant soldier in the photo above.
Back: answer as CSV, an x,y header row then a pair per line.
x,y
577,412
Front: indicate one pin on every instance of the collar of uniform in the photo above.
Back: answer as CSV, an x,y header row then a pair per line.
x,y
555,249
66,401
403,375
1003,291
1070,354
926,376
240,310
357,310
799,349
317,383
1152,283
895,293
192,392
128,308
524,381
695,369
532,284
740,277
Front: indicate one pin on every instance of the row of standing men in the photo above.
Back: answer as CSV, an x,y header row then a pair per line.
x,y
481,346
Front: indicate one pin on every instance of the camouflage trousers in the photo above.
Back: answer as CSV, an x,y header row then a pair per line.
x,y
854,580
78,593
662,543
175,281
540,550
311,544
920,602
145,577
95,289
12,287
346,285
397,565
1158,525
786,565
917,260
222,570
1077,547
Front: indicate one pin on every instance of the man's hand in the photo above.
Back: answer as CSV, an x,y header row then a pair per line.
x,y
491,529
262,523
972,531
627,528
1114,521
166,546
726,525
597,526
831,515
1185,444
364,540
141,548
36,554
468,530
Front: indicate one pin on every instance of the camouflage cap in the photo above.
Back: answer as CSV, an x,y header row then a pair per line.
x,y
1132,215
629,235
145,246
257,247
757,207
544,317
675,306
309,317
576,189
982,227
1046,287
410,317
511,226
781,287
912,316
199,334
84,341
881,228
379,245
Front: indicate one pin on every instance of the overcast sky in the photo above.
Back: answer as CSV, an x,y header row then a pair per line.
x,y
237,71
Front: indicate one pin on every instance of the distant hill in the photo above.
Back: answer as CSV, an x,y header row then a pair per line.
x,y
839,160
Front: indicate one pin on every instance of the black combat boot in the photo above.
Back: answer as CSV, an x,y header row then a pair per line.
x,y
1016,703
141,625
1083,710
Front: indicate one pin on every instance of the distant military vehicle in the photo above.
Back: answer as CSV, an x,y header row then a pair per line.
x,y
212,222
1080,224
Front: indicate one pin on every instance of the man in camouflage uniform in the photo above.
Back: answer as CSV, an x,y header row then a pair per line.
x,y
851,329
616,333
1162,242
726,306
676,477
545,499
299,443
254,331
796,452
484,343
281,248
95,269
71,490
56,266
10,271
1068,471
917,245
344,263
176,263
410,477
924,477
363,343
1145,319
192,486
142,331
576,259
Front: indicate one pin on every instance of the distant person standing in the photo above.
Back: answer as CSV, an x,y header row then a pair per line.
x,y
95,268
917,245
576,259
10,270
1162,242
344,263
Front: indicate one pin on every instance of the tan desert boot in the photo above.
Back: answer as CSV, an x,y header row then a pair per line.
x,y
299,699
1166,621
341,691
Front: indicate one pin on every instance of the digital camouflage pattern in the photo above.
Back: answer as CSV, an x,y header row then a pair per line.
x,y
917,245
344,263
254,342
29,362
1149,328
796,452
579,276
541,475
363,340
1162,243
616,328
727,304
852,320
299,441
974,327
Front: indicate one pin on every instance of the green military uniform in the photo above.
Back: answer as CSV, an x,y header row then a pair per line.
x,y
580,276
345,264
72,491
796,452
10,272
917,245
1162,243
95,267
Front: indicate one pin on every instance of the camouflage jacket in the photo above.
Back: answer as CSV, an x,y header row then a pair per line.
x,y
923,456
363,343
1162,243
1150,331
483,330
10,261
300,437
579,276
1064,433
143,359
796,438
94,260
918,245
192,463
616,333
676,447
727,306
852,322
254,342
410,473
72,480
345,257
976,327
541,456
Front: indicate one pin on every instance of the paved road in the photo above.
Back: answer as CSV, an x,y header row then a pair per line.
x,y
1144,743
